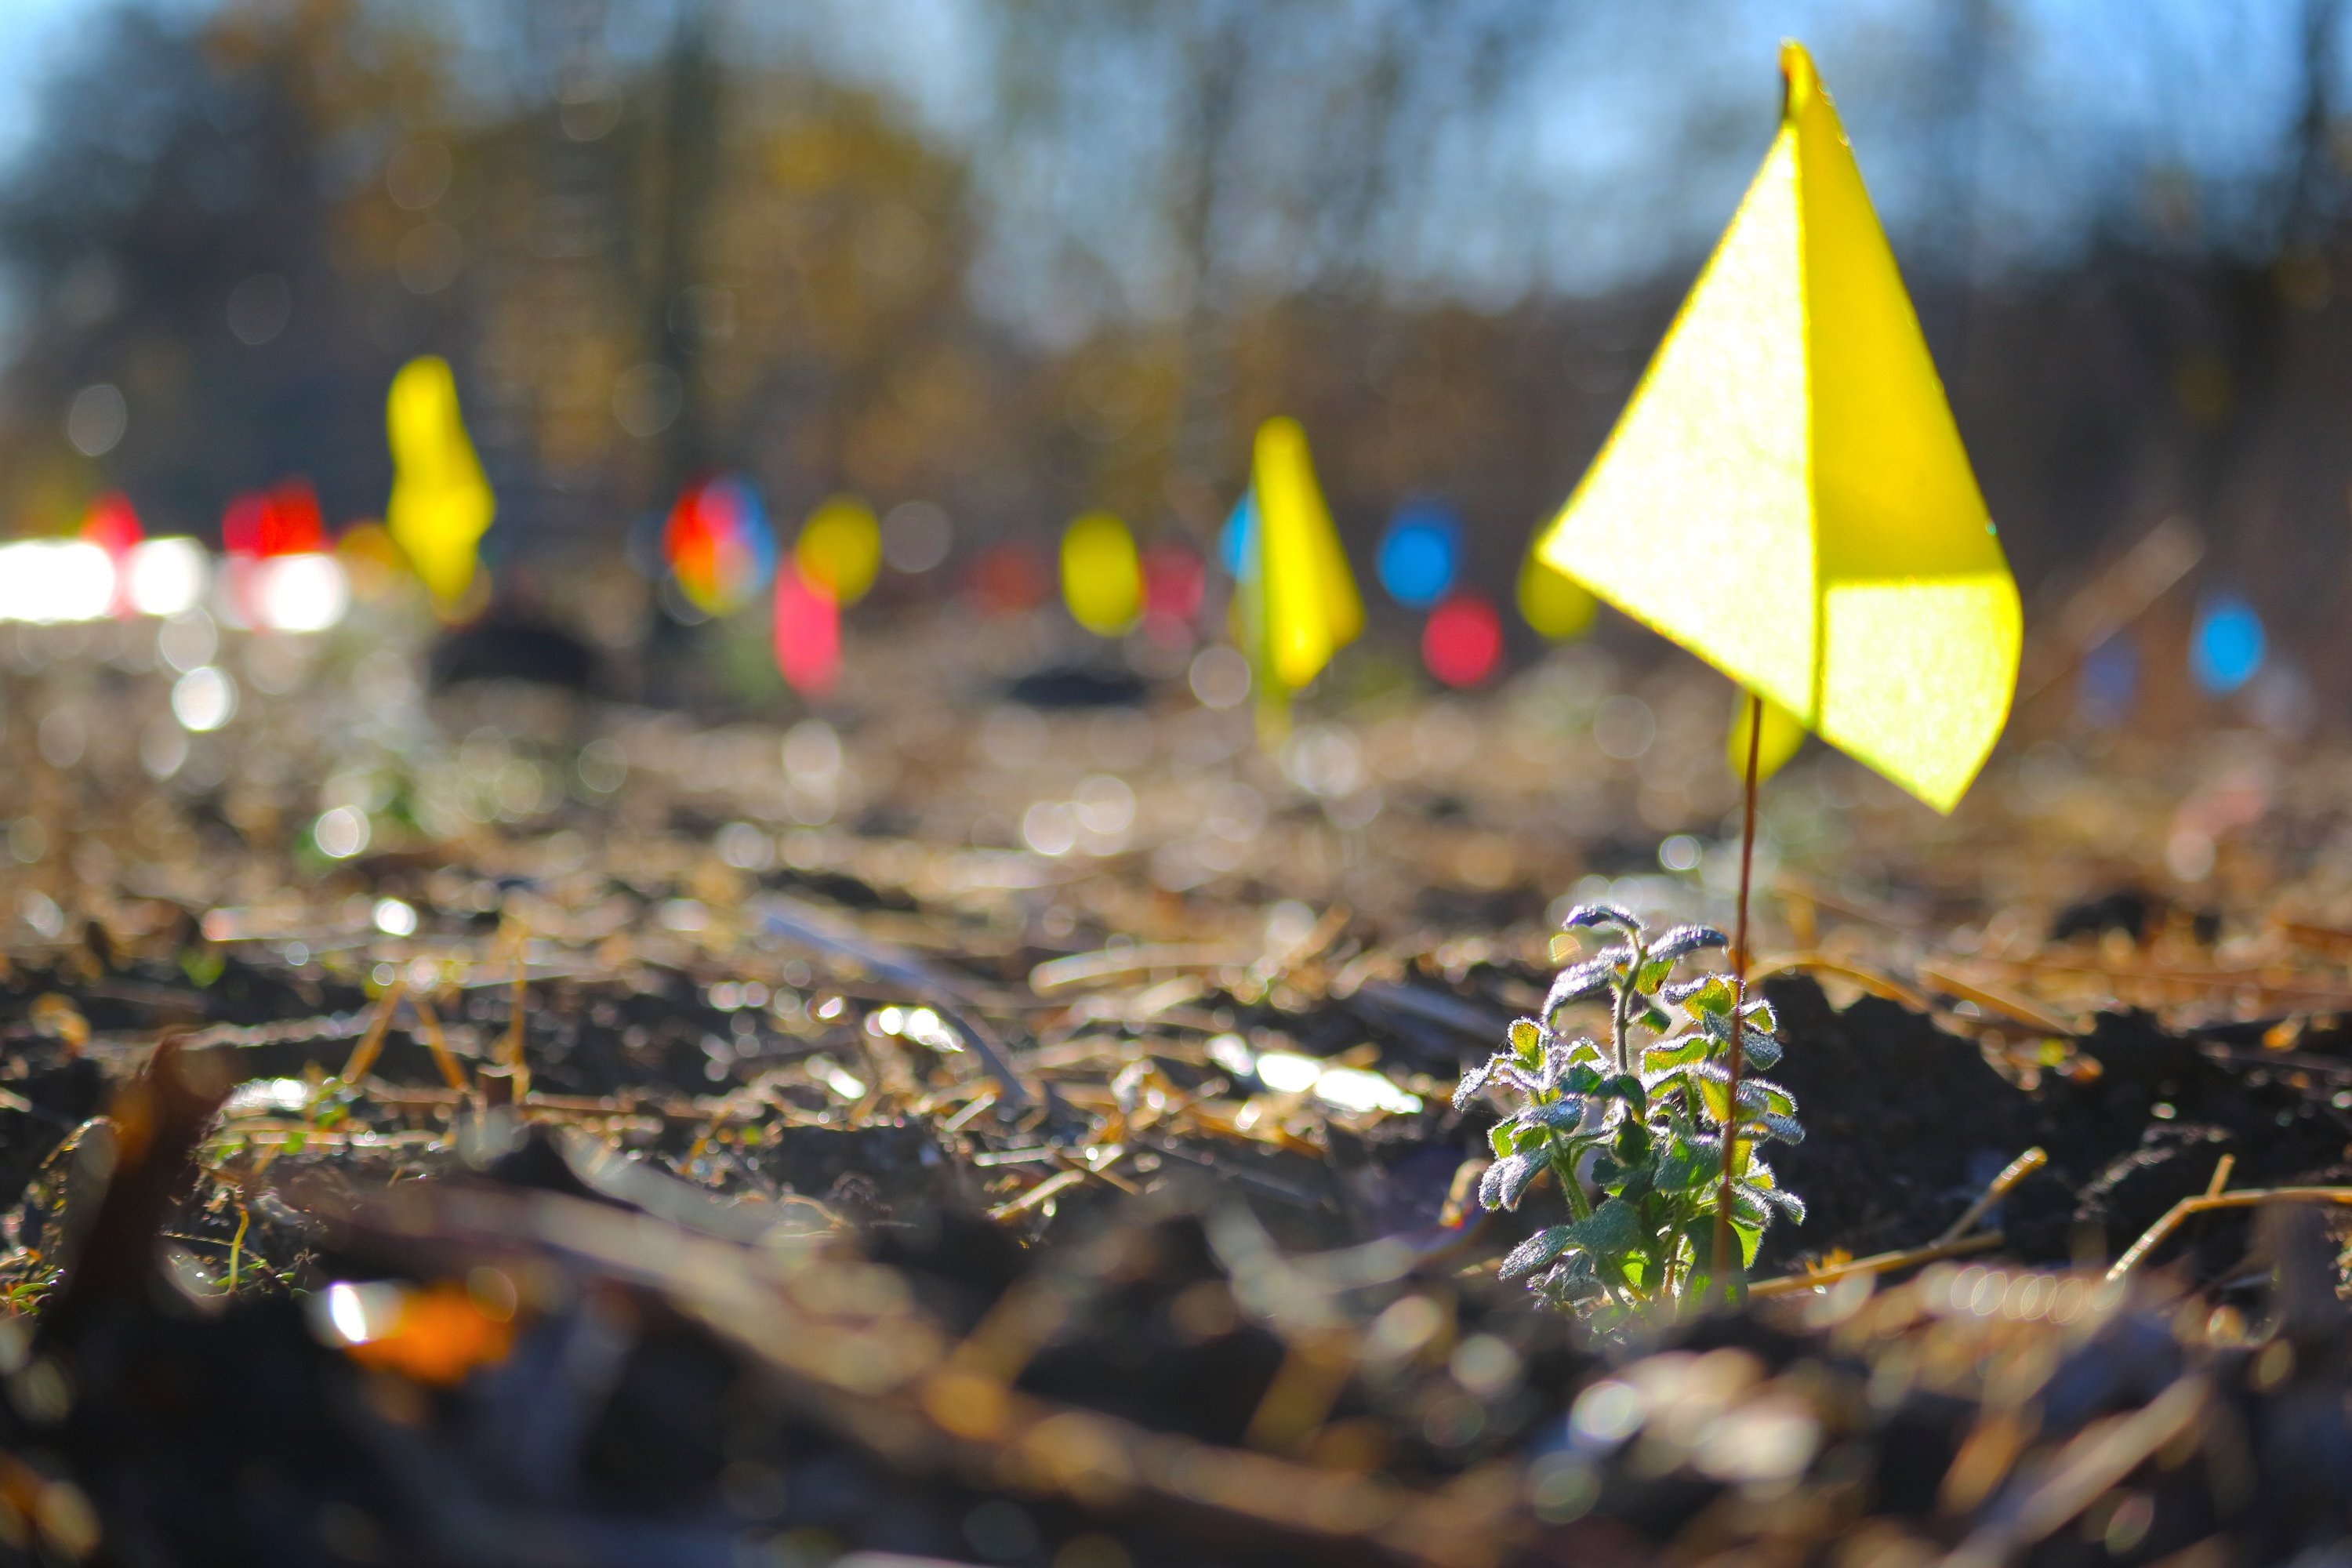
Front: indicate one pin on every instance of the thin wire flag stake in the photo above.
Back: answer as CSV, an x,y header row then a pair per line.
x,y
1738,985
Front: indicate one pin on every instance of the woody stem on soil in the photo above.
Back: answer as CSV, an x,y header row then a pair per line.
x,y
1738,987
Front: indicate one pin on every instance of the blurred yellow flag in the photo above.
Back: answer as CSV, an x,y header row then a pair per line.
x,y
840,549
441,505
1297,603
1102,575
1782,738
1555,604
1786,495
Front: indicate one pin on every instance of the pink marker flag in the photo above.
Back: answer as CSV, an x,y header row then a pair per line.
x,y
808,632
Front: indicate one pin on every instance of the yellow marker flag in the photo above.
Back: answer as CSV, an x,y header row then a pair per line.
x,y
1555,604
1298,603
1787,495
840,549
1102,576
441,505
1784,738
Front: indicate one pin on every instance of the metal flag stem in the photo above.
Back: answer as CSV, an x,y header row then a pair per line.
x,y
1738,987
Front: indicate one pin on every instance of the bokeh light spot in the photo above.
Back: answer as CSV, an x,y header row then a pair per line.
x,y
1102,577
2108,683
840,549
1419,555
205,699
1011,578
718,545
916,537
807,634
1552,603
1173,582
1233,540
2228,647
1462,641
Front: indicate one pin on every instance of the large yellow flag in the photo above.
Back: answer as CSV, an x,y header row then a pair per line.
x,y
1786,495
1297,603
441,505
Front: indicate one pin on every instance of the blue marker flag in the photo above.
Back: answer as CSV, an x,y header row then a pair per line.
x,y
1421,554
1233,542
2109,682
2227,649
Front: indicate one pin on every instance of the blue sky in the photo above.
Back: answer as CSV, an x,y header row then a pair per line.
x,y
1622,135
37,31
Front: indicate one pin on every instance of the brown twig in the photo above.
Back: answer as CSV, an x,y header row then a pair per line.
x,y
2222,1169
2098,1459
2204,981
1052,1187
1879,1263
452,1072
1955,1242
1089,968
1791,885
886,1376
2016,1171
1884,987
1315,1369
363,1054
2023,1010
2125,590
2250,1197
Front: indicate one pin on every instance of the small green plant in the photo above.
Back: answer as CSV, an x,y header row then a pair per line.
x,y
1641,1119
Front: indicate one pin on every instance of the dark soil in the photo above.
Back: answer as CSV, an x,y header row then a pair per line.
x,y
1906,1124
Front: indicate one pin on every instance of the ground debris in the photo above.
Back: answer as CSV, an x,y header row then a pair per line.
x,y
721,1143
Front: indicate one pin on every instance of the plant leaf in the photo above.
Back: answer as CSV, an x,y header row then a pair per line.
x,y
1748,1208
1583,981
1563,1114
1472,1082
1506,1179
1611,1231
1713,1089
1599,915
1684,940
1682,1168
1707,993
1537,1251
1627,1087
1583,1049
1699,1233
1681,1050
1571,1279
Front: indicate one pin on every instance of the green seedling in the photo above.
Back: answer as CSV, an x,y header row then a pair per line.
x,y
1640,1121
